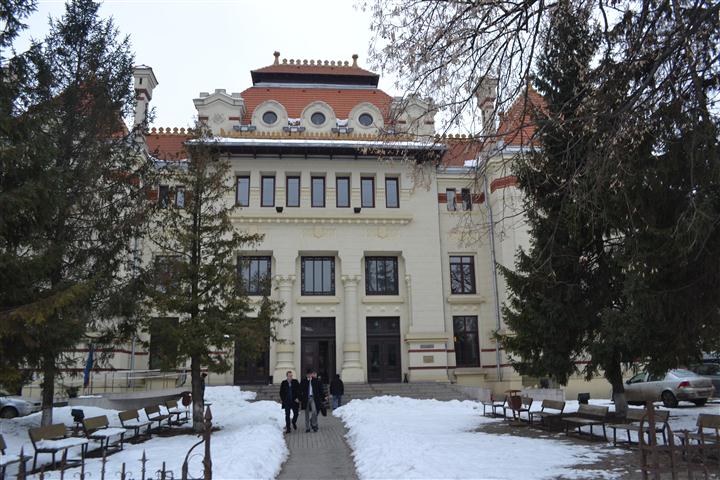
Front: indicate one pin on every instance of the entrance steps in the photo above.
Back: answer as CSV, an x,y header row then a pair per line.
x,y
425,390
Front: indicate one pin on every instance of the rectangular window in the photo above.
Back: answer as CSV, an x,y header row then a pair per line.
x,y
367,192
451,201
317,193
292,191
392,193
166,277
318,275
342,188
180,196
381,276
242,194
267,193
255,275
462,274
467,341
164,196
466,199
163,348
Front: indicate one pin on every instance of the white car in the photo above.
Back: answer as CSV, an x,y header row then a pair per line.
x,y
12,406
675,385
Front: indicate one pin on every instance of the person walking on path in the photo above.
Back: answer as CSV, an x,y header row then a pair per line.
x,y
290,398
311,398
337,390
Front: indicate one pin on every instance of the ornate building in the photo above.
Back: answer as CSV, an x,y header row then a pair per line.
x,y
378,235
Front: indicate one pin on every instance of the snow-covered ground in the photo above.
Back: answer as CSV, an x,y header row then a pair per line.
x,y
250,443
395,437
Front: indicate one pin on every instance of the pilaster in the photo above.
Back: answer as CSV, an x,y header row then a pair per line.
x,y
352,369
285,346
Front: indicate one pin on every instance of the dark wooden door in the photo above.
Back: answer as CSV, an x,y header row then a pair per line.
x,y
254,371
383,350
317,348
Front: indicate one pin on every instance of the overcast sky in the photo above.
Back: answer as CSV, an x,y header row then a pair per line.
x,y
201,45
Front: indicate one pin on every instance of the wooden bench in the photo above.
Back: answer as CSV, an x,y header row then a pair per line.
x,y
548,409
708,430
155,415
492,404
174,410
7,460
130,420
99,429
53,439
587,416
500,407
525,405
634,417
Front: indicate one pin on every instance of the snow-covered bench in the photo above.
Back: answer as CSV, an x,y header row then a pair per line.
x,y
174,410
154,414
633,417
53,439
6,460
130,420
549,409
99,429
587,416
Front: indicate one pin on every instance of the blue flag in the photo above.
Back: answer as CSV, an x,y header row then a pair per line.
x,y
88,366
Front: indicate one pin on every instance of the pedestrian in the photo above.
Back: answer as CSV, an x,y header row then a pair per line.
x,y
337,390
290,398
311,398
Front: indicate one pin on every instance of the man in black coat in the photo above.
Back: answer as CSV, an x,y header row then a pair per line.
x,y
312,395
290,398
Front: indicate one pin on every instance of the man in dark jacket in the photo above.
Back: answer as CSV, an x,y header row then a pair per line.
x,y
290,398
337,389
311,397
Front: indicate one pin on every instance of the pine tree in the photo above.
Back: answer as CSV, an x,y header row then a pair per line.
x,y
194,274
564,290
72,194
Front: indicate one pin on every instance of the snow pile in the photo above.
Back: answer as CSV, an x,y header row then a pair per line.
x,y
396,437
250,443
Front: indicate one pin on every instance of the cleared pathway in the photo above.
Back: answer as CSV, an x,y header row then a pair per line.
x,y
318,455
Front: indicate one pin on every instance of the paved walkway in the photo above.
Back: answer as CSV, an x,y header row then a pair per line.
x,y
318,455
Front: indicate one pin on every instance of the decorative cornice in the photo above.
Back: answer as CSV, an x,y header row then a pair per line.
x,y
358,219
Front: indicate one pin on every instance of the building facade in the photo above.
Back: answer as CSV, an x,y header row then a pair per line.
x,y
379,237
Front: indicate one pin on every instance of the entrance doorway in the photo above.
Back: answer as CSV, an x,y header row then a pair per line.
x,y
383,350
317,347
253,371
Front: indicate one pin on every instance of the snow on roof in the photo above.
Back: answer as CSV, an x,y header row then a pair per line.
x,y
292,142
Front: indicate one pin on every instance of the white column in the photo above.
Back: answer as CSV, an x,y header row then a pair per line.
x,y
285,345
352,369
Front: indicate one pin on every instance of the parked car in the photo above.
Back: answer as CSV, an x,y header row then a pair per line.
x,y
675,385
711,371
12,406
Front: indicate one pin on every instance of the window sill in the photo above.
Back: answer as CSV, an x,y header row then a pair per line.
x,y
459,371
462,298
383,299
324,299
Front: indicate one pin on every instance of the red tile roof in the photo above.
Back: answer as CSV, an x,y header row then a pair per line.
x,y
517,127
460,151
317,69
167,146
295,100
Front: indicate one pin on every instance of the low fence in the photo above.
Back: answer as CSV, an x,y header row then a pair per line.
x,y
685,460
125,473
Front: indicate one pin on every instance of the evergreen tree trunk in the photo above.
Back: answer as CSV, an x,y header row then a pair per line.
x,y
197,395
48,388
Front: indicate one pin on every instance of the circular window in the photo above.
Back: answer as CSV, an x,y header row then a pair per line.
x,y
317,118
365,119
269,117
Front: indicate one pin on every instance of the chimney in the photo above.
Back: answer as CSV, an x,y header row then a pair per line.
x,y
145,83
486,95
